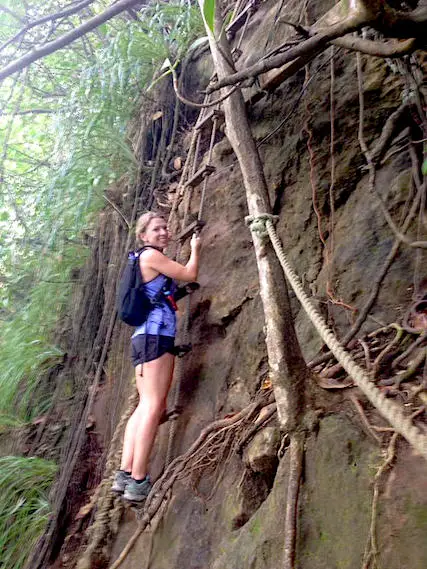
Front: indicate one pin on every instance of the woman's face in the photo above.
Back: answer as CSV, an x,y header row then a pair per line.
x,y
157,233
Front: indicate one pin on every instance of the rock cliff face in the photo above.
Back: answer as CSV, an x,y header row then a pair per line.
x,y
241,525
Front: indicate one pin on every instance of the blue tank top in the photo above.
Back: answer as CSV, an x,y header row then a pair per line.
x,y
161,320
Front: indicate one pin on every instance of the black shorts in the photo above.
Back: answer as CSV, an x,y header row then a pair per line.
x,y
148,347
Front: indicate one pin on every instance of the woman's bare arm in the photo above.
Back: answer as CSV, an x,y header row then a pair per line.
x,y
156,261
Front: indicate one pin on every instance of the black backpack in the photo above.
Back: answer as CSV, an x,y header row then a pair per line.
x,y
133,305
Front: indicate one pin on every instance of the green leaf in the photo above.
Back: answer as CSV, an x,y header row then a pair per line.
x,y
103,29
209,13
424,168
228,18
56,169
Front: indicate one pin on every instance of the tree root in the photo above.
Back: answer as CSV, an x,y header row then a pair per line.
x,y
263,418
367,426
386,133
389,128
377,152
193,103
408,373
389,347
128,546
371,551
204,452
294,480
409,350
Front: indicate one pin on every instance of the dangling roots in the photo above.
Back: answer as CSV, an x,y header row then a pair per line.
x,y
208,454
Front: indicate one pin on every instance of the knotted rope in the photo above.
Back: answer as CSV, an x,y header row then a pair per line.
x,y
264,224
258,223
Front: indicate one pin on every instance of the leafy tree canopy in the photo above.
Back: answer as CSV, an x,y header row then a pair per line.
x,y
62,143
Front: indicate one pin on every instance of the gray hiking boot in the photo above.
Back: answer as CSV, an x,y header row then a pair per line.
x,y
121,480
137,492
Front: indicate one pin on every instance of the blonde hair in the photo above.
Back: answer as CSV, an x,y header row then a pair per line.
x,y
143,222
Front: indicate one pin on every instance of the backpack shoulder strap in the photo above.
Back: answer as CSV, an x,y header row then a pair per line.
x,y
138,252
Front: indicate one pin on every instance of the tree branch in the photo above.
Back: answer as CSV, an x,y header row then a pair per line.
x,y
310,47
8,129
377,48
326,30
11,13
32,112
68,11
395,23
67,38
49,18
387,132
193,103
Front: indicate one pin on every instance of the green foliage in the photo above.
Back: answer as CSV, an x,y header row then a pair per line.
x,y
24,507
26,349
57,165
56,161
9,422
424,168
209,14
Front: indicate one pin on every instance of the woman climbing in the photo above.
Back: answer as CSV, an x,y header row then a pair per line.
x,y
152,352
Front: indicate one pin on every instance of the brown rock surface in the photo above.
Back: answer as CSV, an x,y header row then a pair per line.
x,y
242,525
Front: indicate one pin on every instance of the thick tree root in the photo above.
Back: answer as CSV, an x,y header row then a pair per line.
x,y
214,443
294,480
371,551
205,453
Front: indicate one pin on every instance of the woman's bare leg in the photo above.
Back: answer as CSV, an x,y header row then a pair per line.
x,y
131,427
155,387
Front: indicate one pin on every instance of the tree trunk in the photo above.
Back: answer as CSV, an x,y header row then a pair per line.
x,y
288,370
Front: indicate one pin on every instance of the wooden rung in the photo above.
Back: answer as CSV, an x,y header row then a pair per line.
x,y
219,115
240,20
190,229
200,175
236,53
185,290
182,349
170,414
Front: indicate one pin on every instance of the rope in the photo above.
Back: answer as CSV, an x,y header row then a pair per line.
x,y
196,153
179,375
257,223
184,175
202,112
190,165
388,409
239,43
205,181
